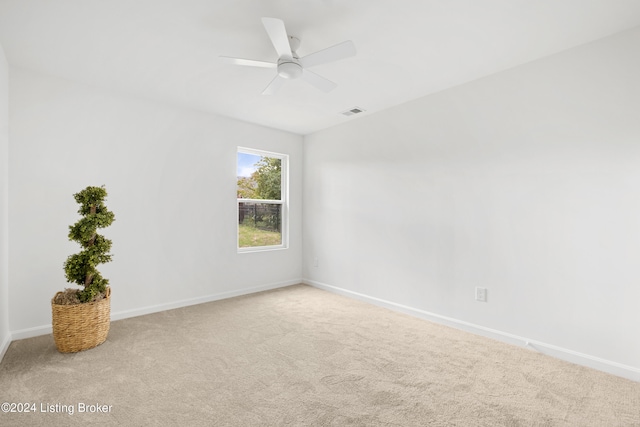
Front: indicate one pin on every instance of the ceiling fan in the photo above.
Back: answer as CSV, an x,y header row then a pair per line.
x,y
289,65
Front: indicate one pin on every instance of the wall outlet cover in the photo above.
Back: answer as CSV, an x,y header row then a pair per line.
x,y
481,294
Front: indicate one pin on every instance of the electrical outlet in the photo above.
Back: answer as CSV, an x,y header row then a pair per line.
x,y
481,294
315,262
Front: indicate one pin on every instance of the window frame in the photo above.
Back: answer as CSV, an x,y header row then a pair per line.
x,y
284,201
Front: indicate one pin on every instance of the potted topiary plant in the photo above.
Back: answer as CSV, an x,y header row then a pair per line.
x,y
81,318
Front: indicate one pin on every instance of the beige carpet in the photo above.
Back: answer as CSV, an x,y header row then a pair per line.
x,y
299,356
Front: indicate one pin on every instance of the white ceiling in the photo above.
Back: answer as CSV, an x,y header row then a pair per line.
x,y
167,50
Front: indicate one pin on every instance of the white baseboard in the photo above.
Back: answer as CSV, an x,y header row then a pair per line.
x,y
36,331
614,368
4,346
200,300
47,329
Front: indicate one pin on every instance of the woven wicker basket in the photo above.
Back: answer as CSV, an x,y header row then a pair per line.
x,y
81,326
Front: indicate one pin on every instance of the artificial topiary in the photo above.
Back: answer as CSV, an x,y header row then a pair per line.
x,y
80,268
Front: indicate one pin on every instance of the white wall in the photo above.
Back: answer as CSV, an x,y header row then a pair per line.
x,y
5,336
171,178
526,182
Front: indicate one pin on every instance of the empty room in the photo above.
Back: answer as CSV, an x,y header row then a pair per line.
x,y
320,213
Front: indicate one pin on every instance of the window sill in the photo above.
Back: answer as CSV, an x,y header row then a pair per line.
x,y
261,249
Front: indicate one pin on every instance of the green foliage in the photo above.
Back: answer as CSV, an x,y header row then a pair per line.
x,y
80,268
264,183
269,178
247,188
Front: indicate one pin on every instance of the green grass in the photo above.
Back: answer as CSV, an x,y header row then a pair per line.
x,y
249,237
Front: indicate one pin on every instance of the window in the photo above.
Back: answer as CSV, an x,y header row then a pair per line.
x,y
262,200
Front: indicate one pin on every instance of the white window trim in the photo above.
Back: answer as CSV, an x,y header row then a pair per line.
x,y
284,194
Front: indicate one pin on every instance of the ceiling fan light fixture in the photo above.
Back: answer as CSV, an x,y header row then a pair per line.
x,y
289,70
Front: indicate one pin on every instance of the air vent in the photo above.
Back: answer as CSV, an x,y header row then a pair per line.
x,y
352,111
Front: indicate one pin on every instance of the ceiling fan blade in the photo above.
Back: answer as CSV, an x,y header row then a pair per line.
x,y
334,53
319,82
278,35
247,62
275,84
